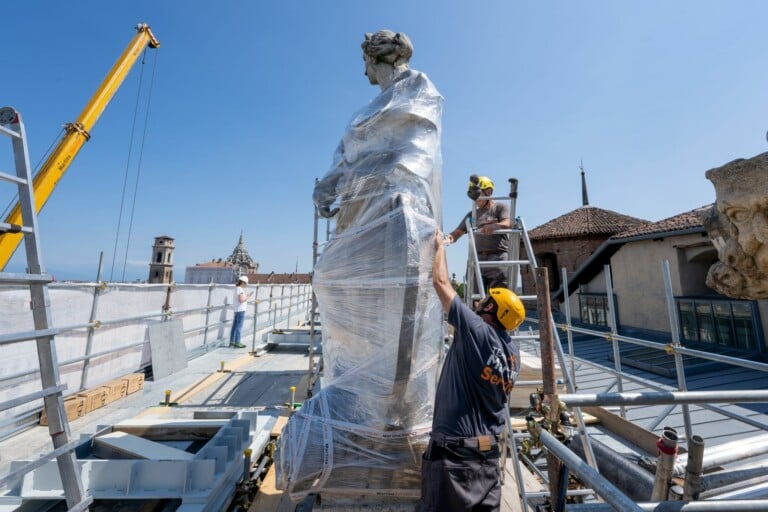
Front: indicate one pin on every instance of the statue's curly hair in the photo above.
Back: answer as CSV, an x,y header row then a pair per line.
x,y
387,46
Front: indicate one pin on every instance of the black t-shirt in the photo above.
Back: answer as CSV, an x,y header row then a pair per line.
x,y
478,372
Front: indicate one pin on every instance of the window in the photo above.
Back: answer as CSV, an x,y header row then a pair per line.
x,y
159,258
721,322
594,309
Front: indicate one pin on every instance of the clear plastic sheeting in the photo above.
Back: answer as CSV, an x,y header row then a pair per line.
x,y
364,432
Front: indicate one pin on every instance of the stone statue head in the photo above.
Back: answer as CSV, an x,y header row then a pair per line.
x,y
386,55
738,226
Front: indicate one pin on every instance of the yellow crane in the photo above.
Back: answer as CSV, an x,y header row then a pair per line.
x,y
76,134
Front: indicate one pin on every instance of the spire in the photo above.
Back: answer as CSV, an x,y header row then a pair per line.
x,y
241,259
584,197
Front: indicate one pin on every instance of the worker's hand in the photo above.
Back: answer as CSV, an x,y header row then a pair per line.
x,y
439,239
448,239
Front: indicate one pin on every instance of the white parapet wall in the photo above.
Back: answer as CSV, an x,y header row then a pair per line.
x,y
103,330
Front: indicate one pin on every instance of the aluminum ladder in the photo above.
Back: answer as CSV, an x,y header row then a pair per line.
x,y
12,126
517,234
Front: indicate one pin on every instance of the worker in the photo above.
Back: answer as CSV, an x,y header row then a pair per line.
x,y
491,216
460,467
239,304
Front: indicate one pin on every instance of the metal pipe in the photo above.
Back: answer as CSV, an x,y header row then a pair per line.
x,y
715,481
247,464
694,468
91,321
754,489
614,331
568,331
740,450
674,329
208,313
680,506
554,465
255,318
633,480
589,476
711,356
665,397
667,445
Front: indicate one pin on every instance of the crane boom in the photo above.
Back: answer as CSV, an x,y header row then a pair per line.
x,y
76,134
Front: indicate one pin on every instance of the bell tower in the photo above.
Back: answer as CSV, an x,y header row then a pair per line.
x,y
161,264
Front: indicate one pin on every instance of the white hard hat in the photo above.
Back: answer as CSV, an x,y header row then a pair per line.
x,y
243,279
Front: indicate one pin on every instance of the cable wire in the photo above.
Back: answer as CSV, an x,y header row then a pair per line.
x,y
127,168
141,157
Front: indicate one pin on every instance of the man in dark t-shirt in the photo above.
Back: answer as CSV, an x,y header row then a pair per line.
x,y
460,468
491,216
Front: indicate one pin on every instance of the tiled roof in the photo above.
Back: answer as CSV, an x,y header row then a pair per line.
x,y
679,222
215,264
584,221
273,278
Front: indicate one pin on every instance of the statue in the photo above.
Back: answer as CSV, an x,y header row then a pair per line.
x,y
364,432
738,227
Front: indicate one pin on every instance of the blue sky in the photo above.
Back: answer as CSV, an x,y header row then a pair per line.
x,y
250,98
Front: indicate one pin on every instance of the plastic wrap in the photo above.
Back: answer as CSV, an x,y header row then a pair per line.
x,y
365,431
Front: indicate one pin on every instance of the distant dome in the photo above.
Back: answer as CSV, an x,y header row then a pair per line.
x,y
241,259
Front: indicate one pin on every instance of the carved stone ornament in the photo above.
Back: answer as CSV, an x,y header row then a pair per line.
x,y
738,227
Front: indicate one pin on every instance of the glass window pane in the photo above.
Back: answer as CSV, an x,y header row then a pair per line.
x,y
687,320
745,329
705,322
723,323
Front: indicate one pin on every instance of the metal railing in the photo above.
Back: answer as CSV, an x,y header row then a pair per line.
x,y
114,328
659,395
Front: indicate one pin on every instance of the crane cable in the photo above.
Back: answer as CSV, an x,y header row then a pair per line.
x,y
127,169
141,157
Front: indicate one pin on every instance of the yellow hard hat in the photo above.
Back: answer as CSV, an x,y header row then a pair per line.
x,y
481,182
509,307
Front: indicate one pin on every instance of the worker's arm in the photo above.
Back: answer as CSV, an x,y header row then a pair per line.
x,y
488,229
243,297
440,280
455,235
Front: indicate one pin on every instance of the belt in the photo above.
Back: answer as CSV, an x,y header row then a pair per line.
x,y
482,443
488,253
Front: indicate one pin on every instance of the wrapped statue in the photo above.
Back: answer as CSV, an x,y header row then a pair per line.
x,y
364,432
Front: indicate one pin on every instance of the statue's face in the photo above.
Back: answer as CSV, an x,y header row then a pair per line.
x,y
370,70
749,215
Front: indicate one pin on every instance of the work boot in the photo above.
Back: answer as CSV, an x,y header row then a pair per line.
x,y
236,345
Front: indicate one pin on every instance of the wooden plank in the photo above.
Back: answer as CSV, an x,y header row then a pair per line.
x,y
95,398
119,445
74,407
625,429
135,382
118,388
280,423
270,497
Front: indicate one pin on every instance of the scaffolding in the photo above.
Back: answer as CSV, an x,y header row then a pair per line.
x,y
555,418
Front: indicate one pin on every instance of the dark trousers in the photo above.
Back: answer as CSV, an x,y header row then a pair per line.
x,y
460,479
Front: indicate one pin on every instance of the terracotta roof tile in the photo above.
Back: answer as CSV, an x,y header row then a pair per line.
x,y
681,221
584,221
